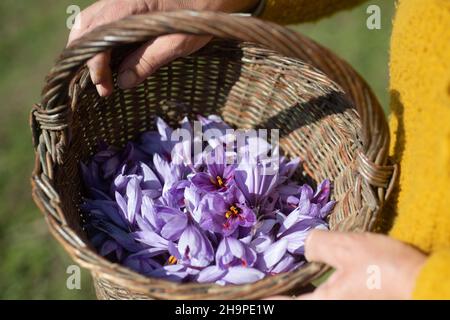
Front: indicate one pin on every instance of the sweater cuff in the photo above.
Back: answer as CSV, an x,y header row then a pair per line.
x,y
433,281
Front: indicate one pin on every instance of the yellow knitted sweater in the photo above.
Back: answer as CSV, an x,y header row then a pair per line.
x,y
420,124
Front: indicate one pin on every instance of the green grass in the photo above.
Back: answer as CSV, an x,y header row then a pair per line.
x,y
32,264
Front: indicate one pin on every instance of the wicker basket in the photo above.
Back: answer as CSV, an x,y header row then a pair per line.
x,y
237,76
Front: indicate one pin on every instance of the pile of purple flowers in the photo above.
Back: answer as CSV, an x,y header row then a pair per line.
x,y
163,211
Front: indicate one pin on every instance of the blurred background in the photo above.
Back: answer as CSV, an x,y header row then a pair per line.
x,y
32,34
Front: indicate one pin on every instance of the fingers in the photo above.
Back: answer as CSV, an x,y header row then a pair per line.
x,y
333,248
100,13
100,73
140,64
84,20
154,54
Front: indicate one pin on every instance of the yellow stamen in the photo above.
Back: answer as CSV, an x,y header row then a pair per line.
x,y
172,260
232,212
220,181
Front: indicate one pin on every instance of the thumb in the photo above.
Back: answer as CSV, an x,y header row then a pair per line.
x,y
155,54
333,248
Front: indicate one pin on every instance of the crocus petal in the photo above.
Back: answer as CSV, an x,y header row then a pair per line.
x,y
273,254
163,168
190,241
254,180
247,217
134,196
204,182
297,234
175,273
286,264
314,210
326,209
242,275
306,193
287,169
173,229
211,274
182,151
164,130
215,162
150,179
291,219
148,212
108,247
111,166
120,182
141,263
323,192
235,246
195,247
265,227
122,237
192,198
230,226
261,243
150,238
151,143
292,201
109,209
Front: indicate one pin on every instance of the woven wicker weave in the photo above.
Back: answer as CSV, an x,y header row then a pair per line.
x,y
255,74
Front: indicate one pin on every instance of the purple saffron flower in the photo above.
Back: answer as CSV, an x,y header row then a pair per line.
x,y
313,204
130,204
218,175
224,213
194,247
256,180
288,168
234,264
296,227
160,221
231,252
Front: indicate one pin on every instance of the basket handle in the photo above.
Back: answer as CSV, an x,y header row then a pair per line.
x,y
140,28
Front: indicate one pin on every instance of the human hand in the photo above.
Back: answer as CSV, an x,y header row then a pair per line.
x,y
368,266
157,52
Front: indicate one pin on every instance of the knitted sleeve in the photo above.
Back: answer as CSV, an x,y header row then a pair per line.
x,y
294,11
433,281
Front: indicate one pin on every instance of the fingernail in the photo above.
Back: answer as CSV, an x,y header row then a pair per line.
x,y
101,90
127,79
96,76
